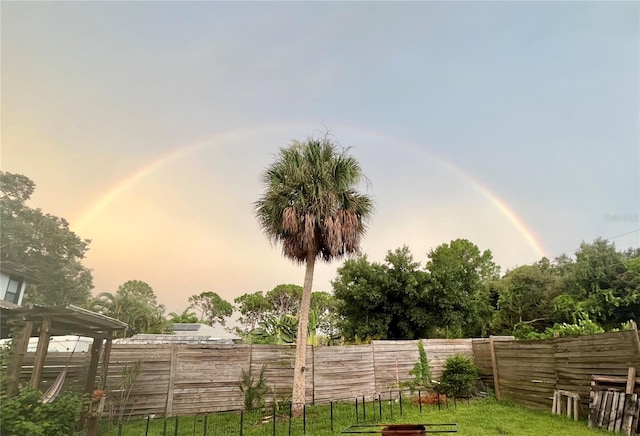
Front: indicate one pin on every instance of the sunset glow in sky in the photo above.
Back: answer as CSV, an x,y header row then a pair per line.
x,y
146,125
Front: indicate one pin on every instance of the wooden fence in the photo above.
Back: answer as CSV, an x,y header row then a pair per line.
x,y
190,379
528,372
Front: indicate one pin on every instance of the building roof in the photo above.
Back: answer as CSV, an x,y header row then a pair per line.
x,y
65,320
214,331
18,271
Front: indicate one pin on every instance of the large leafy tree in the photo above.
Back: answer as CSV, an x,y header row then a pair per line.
x,y
383,300
311,206
134,303
285,299
253,308
602,283
281,305
526,297
41,246
212,307
459,295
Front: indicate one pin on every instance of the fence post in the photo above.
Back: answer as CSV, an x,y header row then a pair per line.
x,y
172,378
494,367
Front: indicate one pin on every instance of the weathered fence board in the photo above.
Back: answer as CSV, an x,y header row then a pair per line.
x,y
343,372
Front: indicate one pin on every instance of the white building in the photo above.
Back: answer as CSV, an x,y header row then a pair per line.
x,y
12,286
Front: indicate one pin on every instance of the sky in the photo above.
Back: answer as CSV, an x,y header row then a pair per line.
x,y
146,125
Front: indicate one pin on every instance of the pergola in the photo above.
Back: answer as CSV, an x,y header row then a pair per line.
x,y
44,322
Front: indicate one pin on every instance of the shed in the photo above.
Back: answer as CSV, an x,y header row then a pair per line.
x,y
44,321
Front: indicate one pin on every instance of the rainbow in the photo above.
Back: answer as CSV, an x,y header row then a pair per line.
x,y
128,182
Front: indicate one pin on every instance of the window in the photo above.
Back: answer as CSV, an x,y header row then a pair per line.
x,y
13,291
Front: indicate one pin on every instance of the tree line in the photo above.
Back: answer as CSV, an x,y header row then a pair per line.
x,y
458,291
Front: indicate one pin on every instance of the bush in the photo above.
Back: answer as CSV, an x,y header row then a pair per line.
x,y
25,415
459,376
583,327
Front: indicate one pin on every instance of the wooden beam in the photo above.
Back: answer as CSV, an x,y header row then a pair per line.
x,y
41,353
93,365
19,346
494,366
105,363
631,380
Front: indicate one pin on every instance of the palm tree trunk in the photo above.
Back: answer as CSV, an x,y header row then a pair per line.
x,y
298,397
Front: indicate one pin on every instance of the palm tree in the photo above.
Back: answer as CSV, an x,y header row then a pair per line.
x,y
187,316
140,315
310,205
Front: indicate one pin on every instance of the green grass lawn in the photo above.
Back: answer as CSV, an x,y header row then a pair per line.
x,y
481,417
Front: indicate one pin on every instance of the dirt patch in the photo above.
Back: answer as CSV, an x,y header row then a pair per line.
x,y
428,398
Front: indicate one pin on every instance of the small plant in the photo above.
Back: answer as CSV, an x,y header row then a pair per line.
x,y
421,370
253,389
459,376
124,386
26,415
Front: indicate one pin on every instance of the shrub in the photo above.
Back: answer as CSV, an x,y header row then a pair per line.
x,y
459,376
26,415
583,327
421,370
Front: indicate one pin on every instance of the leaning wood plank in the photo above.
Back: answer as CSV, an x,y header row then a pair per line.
x,y
636,415
604,409
555,402
620,415
595,409
614,408
629,408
